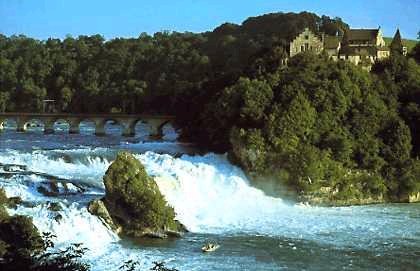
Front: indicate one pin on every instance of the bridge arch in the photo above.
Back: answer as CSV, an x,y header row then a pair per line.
x,y
87,126
33,125
140,128
8,123
113,126
61,125
169,131
155,126
96,123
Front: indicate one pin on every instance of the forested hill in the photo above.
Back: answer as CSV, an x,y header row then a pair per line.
x,y
148,73
315,123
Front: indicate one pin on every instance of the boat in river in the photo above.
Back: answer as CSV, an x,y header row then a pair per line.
x,y
209,247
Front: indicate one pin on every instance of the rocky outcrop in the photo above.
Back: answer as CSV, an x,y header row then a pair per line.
x,y
133,205
97,207
327,196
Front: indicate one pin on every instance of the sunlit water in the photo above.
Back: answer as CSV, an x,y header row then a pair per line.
x,y
212,198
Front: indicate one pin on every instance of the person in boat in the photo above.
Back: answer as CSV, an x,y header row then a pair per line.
x,y
210,247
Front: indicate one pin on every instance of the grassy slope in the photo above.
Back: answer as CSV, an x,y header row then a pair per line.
x,y
409,43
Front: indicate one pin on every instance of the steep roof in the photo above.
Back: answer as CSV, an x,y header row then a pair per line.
x,y
362,34
331,42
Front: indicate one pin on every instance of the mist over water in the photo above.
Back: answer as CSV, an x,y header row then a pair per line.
x,y
214,199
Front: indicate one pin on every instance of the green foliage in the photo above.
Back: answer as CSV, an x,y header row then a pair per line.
x,y
160,266
129,265
159,73
68,259
247,101
249,147
133,198
415,53
22,239
23,248
326,124
3,197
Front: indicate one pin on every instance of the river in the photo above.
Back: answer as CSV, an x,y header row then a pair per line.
x,y
212,197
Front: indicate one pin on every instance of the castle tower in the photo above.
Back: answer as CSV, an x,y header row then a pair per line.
x,y
396,45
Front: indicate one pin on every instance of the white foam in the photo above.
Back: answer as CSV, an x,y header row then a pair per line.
x,y
77,225
210,195
38,161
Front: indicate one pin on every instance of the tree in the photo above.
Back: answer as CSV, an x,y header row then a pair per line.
x,y
4,100
29,96
415,52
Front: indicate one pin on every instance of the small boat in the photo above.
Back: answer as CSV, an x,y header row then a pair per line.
x,y
209,247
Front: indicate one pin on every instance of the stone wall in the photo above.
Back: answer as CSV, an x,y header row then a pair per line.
x,y
306,41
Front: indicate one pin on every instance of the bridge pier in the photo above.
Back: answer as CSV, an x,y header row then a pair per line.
x,y
155,126
49,127
74,126
99,127
129,128
20,125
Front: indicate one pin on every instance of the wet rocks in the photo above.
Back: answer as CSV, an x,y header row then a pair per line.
x,y
54,206
134,202
11,202
97,207
54,188
13,167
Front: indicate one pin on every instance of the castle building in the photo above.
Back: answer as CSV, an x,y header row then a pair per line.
x,y
358,46
364,46
305,41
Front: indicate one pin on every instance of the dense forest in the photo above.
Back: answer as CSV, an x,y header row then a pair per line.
x,y
159,73
311,124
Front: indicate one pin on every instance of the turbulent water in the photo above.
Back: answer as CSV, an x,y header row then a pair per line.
x,y
211,197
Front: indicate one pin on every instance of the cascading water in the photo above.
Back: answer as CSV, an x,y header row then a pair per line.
x,y
214,199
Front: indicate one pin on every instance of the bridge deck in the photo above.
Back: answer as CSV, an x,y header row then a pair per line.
x,y
87,115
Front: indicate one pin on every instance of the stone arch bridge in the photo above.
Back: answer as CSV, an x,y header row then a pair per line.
x,y
127,122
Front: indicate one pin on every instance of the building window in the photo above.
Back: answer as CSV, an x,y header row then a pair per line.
x,y
306,37
302,48
306,46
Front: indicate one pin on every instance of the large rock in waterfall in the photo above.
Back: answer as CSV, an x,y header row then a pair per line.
x,y
134,203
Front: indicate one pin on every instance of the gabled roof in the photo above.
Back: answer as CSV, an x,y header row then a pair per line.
x,y
362,34
331,42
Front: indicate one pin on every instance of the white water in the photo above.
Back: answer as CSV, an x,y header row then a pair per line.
x,y
209,195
